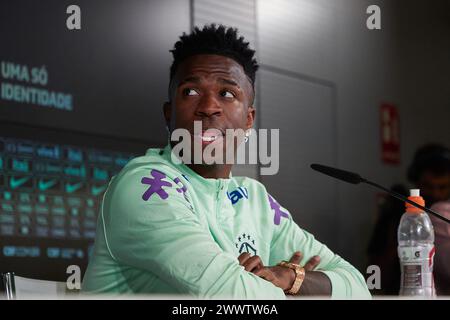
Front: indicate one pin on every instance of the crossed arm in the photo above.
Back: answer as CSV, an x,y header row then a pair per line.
x,y
148,235
315,283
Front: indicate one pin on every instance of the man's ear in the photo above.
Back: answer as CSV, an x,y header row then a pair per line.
x,y
251,113
167,110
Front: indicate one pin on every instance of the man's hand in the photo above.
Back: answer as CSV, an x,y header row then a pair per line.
x,y
310,265
249,262
281,277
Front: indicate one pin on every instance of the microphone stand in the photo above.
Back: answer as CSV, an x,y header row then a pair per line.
x,y
354,178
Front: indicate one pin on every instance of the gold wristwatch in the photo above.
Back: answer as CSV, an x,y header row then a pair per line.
x,y
299,276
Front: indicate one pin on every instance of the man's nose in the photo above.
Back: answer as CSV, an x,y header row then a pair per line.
x,y
208,106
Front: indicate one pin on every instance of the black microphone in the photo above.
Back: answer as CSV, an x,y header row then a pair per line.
x,y
355,178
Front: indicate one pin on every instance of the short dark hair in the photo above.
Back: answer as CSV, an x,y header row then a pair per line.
x,y
430,157
218,40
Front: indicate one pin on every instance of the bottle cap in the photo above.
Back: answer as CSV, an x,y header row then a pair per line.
x,y
414,196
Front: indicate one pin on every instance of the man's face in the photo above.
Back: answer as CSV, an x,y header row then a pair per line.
x,y
434,187
214,90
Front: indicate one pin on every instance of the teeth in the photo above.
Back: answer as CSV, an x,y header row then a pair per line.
x,y
207,138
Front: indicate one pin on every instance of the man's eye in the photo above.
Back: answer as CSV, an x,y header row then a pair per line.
x,y
190,92
227,94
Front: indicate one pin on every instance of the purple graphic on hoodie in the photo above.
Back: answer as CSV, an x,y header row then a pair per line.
x,y
277,208
178,182
156,185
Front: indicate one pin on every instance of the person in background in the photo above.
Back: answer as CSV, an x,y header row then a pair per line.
x,y
429,172
441,268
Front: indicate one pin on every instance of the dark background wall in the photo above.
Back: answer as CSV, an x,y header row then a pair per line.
x,y
115,67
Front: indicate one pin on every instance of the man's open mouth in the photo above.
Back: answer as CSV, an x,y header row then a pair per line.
x,y
209,135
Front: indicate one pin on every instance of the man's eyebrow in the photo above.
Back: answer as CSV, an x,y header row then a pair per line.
x,y
196,79
189,79
228,81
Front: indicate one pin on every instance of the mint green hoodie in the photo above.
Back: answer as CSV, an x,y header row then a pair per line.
x,y
164,229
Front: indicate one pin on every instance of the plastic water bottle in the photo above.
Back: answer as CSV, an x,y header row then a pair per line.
x,y
416,250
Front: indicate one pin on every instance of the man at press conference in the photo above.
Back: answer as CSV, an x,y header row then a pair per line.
x,y
167,227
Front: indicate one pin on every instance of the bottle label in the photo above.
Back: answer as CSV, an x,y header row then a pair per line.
x,y
417,266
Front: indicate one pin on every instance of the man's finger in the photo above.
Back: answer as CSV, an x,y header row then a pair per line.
x,y
296,257
312,263
243,257
253,263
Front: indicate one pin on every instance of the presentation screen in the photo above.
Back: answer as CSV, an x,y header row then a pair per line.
x,y
51,187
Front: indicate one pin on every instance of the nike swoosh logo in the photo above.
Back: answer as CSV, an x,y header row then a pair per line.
x,y
97,190
44,185
73,187
15,183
